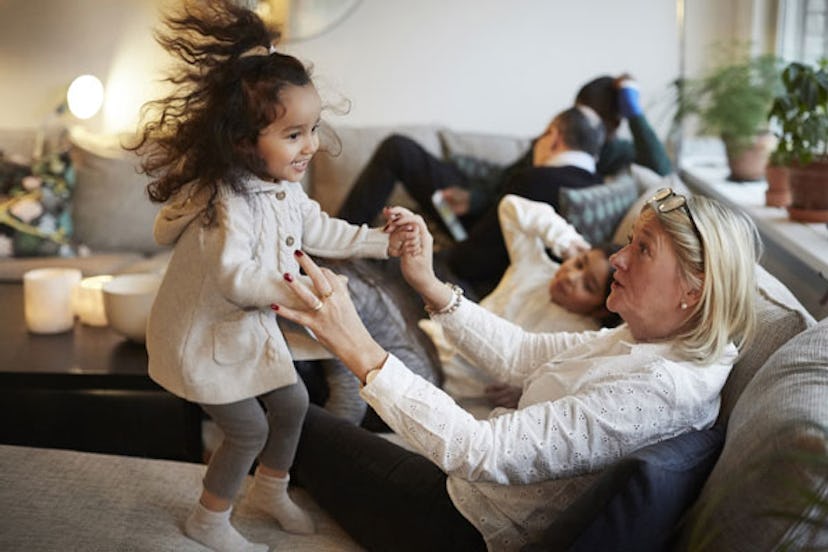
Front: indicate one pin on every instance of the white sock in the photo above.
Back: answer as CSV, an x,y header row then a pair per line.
x,y
213,530
270,494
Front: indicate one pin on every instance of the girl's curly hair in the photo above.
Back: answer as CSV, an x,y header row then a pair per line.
x,y
227,89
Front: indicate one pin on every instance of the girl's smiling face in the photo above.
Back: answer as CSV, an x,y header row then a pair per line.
x,y
288,143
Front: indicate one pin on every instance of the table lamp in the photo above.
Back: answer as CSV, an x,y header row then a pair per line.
x,y
84,98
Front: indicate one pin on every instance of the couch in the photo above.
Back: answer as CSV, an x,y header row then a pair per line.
x,y
751,483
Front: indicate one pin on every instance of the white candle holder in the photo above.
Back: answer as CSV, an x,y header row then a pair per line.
x,y
88,302
47,299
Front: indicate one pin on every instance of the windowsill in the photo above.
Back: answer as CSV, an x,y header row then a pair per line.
x,y
806,243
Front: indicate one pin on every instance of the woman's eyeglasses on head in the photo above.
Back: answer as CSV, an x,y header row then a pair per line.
x,y
666,200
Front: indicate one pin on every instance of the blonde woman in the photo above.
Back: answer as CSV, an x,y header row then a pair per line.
x,y
684,286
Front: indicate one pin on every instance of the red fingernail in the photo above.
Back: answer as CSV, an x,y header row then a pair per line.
x,y
298,253
288,277
274,307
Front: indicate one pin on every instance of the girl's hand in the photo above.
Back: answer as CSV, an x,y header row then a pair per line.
x,y
576,247
332,317
400,223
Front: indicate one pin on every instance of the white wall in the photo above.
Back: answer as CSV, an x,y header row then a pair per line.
x,y
480,65
489,65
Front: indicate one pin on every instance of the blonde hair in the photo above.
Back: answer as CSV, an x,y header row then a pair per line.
x,y
723,268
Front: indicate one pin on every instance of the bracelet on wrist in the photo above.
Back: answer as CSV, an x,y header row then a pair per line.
x,y
456,297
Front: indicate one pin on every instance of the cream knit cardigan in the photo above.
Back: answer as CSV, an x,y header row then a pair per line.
x,y
212,337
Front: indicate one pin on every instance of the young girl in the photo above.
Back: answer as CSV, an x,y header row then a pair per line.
x,y
536,293
227,151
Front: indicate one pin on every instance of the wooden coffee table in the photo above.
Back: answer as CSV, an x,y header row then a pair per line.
x,y
88,390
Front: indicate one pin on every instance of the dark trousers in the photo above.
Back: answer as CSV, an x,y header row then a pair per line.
x,y
385,497
399,159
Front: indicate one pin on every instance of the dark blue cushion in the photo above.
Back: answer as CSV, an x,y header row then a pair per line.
x,y
637,503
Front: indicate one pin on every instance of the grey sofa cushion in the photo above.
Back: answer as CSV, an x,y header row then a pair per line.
x,y
780,316
67,500
494,148
111,210
774,456
332,175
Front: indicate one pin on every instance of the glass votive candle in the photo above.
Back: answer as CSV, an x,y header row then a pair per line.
x,y
88,302
47,299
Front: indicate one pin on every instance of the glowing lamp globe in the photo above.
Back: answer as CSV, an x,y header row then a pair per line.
x,y
85,96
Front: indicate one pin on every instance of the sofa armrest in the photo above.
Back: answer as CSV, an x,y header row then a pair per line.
x,y
771,476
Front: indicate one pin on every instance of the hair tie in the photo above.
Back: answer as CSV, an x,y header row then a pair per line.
x,y
259,51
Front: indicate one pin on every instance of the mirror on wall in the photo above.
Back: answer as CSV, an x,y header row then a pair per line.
x,y
304,19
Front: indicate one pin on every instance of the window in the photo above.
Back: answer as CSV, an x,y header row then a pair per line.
x,y
803,30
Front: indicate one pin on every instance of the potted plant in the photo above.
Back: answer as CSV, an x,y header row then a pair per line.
x,y
732,101
778,193
800,113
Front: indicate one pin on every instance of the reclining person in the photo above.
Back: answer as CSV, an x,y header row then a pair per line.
x,y
536,292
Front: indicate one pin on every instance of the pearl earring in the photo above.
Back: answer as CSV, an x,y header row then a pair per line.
x,y
683,305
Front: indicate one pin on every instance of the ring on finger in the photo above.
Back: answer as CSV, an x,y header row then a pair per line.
x,y
317,306
326,294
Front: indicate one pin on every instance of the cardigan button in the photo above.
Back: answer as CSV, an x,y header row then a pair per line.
x,y
289,241
280,195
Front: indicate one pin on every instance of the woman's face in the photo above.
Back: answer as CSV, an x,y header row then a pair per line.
x,y
648,289
580,283
288,143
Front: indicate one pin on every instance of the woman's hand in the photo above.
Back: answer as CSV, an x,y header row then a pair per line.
x,y
332,317
416,262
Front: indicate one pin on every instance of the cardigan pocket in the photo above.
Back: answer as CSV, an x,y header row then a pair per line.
x,y
236,341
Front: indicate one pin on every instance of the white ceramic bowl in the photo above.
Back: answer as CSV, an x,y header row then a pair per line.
x,y
127,302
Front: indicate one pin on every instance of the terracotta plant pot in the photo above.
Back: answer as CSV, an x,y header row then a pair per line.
x,y
779,190
749,164
809,192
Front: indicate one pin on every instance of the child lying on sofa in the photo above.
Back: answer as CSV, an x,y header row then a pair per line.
x,y
536,293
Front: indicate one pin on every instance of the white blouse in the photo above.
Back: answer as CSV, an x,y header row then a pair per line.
x,y
588,399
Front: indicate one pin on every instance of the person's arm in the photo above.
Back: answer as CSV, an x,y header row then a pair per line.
x,y
529,227
574,434
648,149
333,238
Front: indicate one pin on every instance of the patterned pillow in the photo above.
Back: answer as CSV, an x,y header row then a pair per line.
x,y
35,202
596,211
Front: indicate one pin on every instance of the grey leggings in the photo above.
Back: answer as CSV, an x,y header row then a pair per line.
x,y
267,426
